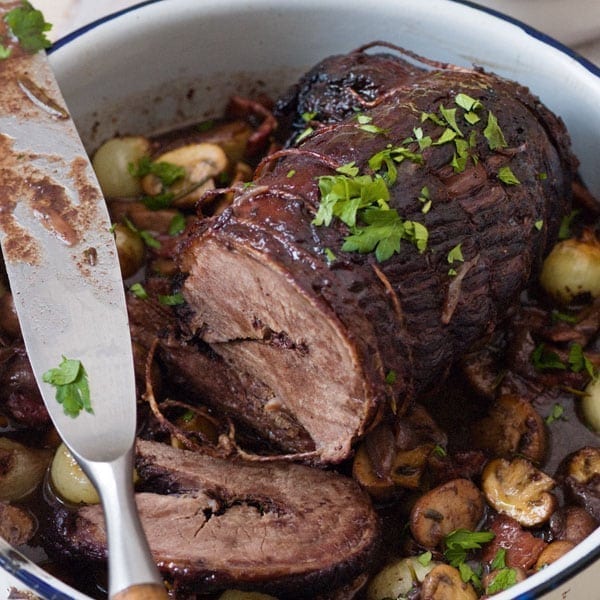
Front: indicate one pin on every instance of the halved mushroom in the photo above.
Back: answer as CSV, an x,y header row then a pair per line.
x,y
398,578
584,465
456,504
513,426
553,552
445,583
516,488
580,472
201,162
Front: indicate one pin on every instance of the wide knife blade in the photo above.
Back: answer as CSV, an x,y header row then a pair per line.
x,y
64,274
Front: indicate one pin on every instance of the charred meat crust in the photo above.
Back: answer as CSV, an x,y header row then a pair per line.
x,y
286,529
264,261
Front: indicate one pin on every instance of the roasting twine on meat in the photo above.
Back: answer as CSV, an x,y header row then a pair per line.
x,y
226,447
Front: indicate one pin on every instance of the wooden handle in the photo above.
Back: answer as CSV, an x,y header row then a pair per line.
x,y
144,591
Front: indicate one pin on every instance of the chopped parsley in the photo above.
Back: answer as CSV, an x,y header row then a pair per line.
x,y
502,580
455,255
505,175
5,52
72,389
138,290
425,558
539,224
171,299
493,134
366,124
557,413
167,172
544,359
29,27
457,544
146,236
390,378
578,361
177,224
564,231
361,202
290,173
329,255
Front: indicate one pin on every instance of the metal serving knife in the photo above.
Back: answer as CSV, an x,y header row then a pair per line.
x,y
64,274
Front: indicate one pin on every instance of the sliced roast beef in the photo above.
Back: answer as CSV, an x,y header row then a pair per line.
x,y
336,337
288,529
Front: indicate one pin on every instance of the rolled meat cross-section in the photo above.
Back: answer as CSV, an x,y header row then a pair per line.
x,y
333,329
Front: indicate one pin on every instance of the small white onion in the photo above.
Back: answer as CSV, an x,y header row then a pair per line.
x,y
398,578
590,405
572,268
111,164
23,469
69,481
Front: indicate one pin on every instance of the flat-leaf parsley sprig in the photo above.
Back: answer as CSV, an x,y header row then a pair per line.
x,y
362,203
29,27
72,389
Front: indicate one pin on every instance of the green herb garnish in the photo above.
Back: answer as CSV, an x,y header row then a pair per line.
x,y
5,52
544,359
460,541
564,231
29,27
71,383
502,580
556,413
493,134
505,175
171,299
177,224
425,558
167,172
138,290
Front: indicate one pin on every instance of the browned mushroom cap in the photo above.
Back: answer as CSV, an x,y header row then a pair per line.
x,y
572,523
553,552
516,488
512,427
580,473
445,583
456,504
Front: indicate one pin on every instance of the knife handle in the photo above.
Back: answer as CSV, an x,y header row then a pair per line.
x,y
143,591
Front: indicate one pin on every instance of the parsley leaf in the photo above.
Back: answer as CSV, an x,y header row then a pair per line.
x,y
29,27
493,134
499,561
458,542
564,231
544,359
505,175
171,299
5,52
578,361
167,172
502,580
138,290
71,383
556,413
455,254
177,224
